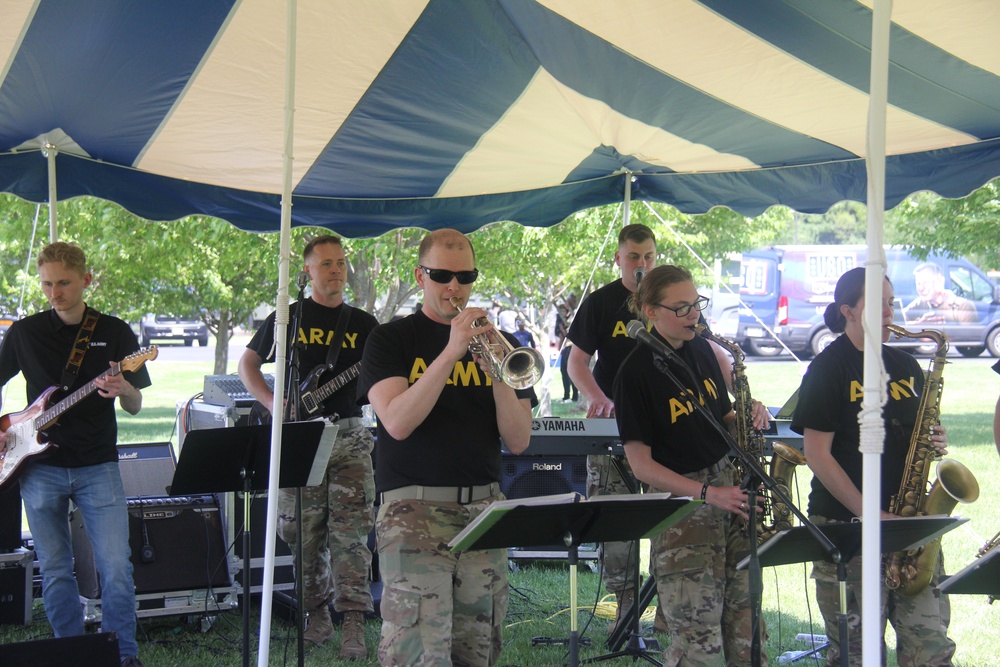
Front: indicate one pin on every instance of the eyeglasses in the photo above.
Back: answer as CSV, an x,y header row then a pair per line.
x,y
444,276
682,311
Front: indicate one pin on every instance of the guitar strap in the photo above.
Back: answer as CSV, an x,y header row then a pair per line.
x,y
338,336
79,350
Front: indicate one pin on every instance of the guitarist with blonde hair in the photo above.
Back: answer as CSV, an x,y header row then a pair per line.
x,y
73,349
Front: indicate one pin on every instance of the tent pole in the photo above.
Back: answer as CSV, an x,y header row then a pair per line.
x,y
872,426
628,199
281,346
50,157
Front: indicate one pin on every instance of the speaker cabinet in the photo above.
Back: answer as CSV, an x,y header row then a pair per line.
x,y
93,650
530,476
15,588
146,468
10,518
177,544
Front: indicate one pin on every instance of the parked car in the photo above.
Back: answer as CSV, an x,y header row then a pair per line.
x,y
5,322
786,289
171,327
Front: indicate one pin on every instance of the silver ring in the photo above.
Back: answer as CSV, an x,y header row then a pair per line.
x,y
742,505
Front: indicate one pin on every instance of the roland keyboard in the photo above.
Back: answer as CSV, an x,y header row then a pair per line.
x,y
554,436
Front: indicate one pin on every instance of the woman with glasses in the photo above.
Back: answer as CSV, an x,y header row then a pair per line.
x,y
674,448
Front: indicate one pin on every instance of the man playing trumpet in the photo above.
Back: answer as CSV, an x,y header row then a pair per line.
x,y
441,414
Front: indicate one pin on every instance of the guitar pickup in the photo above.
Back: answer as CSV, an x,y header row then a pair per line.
x,y
309,404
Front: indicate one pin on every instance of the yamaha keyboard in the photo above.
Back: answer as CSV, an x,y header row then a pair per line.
x,y
555,436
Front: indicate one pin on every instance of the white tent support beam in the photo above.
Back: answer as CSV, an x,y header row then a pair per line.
x,y
627,215
281,343
50,158
872,427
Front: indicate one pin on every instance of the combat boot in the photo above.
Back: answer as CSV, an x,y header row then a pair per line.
x,y
320,626
352,636
625,601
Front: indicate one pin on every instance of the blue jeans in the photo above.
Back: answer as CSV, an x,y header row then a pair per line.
x,y
98,492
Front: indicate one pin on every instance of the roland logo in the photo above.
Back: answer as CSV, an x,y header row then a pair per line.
x,y
547,466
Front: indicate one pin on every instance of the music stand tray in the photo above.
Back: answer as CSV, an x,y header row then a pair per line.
x,y
214,460
797,545
573,520
980,577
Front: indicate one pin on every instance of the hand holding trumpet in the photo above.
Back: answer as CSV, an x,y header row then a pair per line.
x,y
520,367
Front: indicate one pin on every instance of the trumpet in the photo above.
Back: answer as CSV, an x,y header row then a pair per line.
x,y
517,367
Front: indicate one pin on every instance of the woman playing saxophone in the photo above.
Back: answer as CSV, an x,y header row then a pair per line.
x,y
827,416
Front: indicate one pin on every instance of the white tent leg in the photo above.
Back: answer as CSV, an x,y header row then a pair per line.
x,y
281,346
872,427
50,153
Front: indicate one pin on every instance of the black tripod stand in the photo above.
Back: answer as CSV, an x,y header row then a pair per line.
x,y
629,629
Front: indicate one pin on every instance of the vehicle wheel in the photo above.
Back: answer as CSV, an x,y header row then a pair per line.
x,y
821,339
764,348
203,342
189,342
971,350
993,342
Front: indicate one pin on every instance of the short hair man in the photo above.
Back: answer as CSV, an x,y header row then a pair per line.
x,y
84,466
935,304
338,514
599,328
440,420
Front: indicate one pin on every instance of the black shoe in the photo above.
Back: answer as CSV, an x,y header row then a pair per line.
x,y
131,661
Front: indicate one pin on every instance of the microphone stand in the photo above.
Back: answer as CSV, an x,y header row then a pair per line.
x,y
757,476
293,395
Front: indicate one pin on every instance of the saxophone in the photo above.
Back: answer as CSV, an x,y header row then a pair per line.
x,y
776,516
990,545
909,572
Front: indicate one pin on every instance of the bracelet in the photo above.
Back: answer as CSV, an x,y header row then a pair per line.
x,y
704,490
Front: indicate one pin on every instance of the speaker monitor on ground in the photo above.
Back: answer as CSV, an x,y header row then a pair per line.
x,y
100,649
177,544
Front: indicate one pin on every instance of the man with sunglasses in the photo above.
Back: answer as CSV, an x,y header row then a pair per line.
x,y
338,513
599,328
441,416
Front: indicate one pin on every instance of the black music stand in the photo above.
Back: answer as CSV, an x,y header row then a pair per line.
x,y
980,577
798,545
538,521
238,458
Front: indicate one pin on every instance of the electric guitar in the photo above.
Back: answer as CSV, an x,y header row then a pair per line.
x,y
312,395
25,430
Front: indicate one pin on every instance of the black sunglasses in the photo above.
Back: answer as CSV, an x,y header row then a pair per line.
x,y
444,276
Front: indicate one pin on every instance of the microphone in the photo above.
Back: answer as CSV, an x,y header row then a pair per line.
x,y
637,331
302,279
639,274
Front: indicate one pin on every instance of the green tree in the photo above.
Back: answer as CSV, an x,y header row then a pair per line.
x,y
969,226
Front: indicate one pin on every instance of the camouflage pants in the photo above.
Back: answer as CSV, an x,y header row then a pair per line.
x,y
706,600
337,516
439,608
921,622
617,558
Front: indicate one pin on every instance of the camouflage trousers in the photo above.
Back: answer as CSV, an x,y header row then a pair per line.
x,y
337,516
921,622
706,600
439,608
617,558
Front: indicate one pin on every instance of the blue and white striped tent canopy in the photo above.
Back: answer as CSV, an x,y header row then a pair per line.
x,y
462,112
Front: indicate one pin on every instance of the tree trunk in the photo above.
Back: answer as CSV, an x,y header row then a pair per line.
x,y
222,342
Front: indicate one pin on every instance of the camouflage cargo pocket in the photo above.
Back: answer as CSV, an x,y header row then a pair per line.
x,y
685,572
400,607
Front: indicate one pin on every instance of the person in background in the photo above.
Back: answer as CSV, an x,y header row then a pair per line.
x,y
83,468
564,314
674,448
441,415
338,513
599,328
827,416
522,334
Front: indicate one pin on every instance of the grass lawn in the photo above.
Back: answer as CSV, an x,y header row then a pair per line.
x,y
540,589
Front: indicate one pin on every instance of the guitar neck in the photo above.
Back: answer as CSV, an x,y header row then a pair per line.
x,y
328,389
70,400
